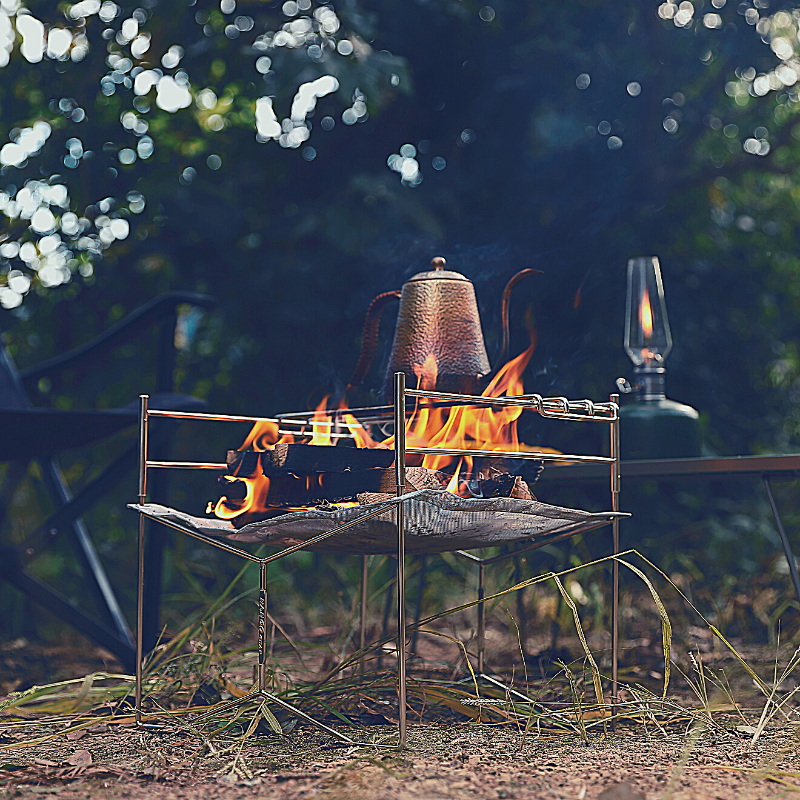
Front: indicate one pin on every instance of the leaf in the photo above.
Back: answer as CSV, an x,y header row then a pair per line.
x,y
598,688
80,758
666,625
271,719
748,730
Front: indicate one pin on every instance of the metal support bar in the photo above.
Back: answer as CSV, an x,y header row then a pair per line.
x,y
616,481
481,616
787,548
578,410
261,677
468,451
400,478
362,622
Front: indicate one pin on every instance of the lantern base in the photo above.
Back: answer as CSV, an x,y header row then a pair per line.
x,y
655,427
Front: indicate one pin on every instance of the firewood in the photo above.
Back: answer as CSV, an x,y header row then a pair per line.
x,y
300,458
321,489
307,458
520,490
301,490
242,463
527,469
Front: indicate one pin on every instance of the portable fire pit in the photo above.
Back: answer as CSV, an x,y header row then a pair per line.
x,y
368,500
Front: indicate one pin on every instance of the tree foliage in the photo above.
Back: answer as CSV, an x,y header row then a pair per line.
x,y
567,137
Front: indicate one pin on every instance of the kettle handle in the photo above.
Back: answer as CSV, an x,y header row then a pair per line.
x,y
504,306
369,339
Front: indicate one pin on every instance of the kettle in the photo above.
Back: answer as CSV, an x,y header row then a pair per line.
x,y
438,316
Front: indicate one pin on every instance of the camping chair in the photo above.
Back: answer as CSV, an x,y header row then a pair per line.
x,y
36,436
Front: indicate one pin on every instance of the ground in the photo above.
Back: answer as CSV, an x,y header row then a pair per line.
x,y
442,761
448,759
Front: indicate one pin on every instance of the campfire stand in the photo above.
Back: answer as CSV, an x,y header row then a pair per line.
x,y
555,408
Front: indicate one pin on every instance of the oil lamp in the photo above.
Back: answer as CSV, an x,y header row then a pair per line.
x,y
652,426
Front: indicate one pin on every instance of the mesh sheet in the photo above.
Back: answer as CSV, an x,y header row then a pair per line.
x,y
436,522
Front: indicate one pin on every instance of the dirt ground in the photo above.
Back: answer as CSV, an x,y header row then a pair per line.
x,y
446,760
442,762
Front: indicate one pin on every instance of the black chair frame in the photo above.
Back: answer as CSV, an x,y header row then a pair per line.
x,y
29,434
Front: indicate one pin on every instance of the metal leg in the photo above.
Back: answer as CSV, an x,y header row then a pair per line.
x,y
143,435
261,676
481,616
787,549
140,621
615,490
387,608
362,623
400,477
522,614
421,584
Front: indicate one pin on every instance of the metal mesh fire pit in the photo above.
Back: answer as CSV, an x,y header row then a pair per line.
x,y
436,522
425,521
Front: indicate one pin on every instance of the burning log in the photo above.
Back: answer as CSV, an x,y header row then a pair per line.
x,y
300,490
308,458
296,476
289,492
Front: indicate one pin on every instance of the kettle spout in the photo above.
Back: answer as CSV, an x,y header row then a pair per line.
x,y
505,304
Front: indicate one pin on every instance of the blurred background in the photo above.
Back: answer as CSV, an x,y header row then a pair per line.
x,y
294,159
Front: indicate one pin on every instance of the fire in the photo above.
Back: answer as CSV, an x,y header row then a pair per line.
x,y
256,490
465,427
320,424
457,427
646,315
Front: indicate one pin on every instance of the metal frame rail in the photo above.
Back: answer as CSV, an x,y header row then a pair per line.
x,y
555,408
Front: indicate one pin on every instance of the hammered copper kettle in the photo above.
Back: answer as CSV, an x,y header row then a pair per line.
x,y
438,316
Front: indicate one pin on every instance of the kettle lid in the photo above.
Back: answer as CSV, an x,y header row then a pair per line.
x,y
438,273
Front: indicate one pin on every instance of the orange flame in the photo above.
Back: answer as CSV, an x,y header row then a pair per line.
x,y
256,492
457,427
467,427
359,433
263,436
321,424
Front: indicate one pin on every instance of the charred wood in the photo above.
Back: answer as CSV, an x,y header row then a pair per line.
x,y
308,458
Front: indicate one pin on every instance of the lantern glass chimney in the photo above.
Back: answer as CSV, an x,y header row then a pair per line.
x,y
648,340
